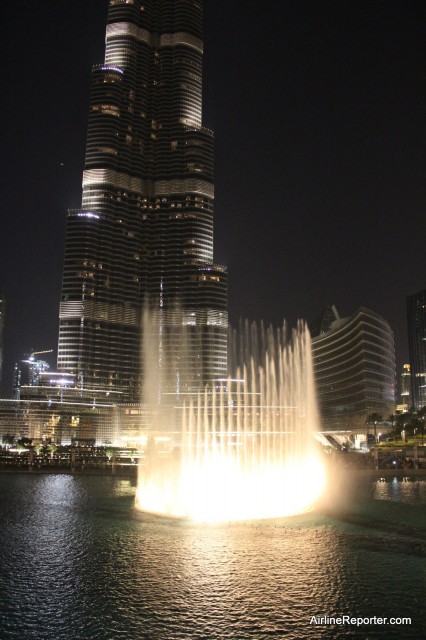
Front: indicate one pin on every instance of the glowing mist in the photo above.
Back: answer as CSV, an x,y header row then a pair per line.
x,y
245,447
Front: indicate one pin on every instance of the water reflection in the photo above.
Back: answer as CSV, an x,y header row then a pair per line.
x,y
79,562
401,490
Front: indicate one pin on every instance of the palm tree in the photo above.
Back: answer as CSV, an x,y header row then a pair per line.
x,y
52,448
374,419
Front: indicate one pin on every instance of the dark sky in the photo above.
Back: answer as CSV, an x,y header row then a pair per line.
x,y
318,108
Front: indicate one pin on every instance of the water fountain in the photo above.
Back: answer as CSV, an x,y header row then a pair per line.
x,y
245,447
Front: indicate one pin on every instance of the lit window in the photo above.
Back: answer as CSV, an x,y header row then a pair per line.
x,y
108,150
106,109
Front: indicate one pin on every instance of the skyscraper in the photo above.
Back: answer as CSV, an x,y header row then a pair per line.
x,y
29,371
405,388
416,320
144,233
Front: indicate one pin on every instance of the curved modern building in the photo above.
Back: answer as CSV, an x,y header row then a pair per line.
x,y
144,233
354,367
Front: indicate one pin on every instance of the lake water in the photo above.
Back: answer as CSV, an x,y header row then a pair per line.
x,y
78,562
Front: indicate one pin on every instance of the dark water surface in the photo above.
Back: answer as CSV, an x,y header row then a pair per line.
x,y
78,562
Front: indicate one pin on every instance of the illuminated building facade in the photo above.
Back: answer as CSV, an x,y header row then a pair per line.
x,y
416,320
354,368
28,372
144,233
51,420
405,388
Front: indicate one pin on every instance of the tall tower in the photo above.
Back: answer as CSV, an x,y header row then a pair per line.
x,y
144,233
416,320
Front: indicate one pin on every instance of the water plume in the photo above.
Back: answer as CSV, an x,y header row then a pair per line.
x,y
244,447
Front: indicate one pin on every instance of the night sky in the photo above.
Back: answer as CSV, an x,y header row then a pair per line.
x,y
318,108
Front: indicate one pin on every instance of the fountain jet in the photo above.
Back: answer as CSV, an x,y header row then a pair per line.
x,y
243,448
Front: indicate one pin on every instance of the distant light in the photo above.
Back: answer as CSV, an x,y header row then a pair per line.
x,y
87,214
105,68
60,381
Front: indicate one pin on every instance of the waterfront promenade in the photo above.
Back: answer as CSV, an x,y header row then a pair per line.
x,y
379,463
82,460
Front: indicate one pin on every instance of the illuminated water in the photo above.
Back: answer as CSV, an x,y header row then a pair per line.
x,y
79,562
245,447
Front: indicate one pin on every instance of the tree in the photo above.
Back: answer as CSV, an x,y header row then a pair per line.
x,y
52,448
412,422
374,419
399,423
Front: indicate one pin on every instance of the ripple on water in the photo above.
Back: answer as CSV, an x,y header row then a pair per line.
x,y
78,562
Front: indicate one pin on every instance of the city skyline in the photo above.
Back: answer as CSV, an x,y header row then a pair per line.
x,y
319,129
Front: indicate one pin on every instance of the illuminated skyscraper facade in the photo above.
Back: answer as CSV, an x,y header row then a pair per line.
x,y
416,320
144,233
405,388
28,372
